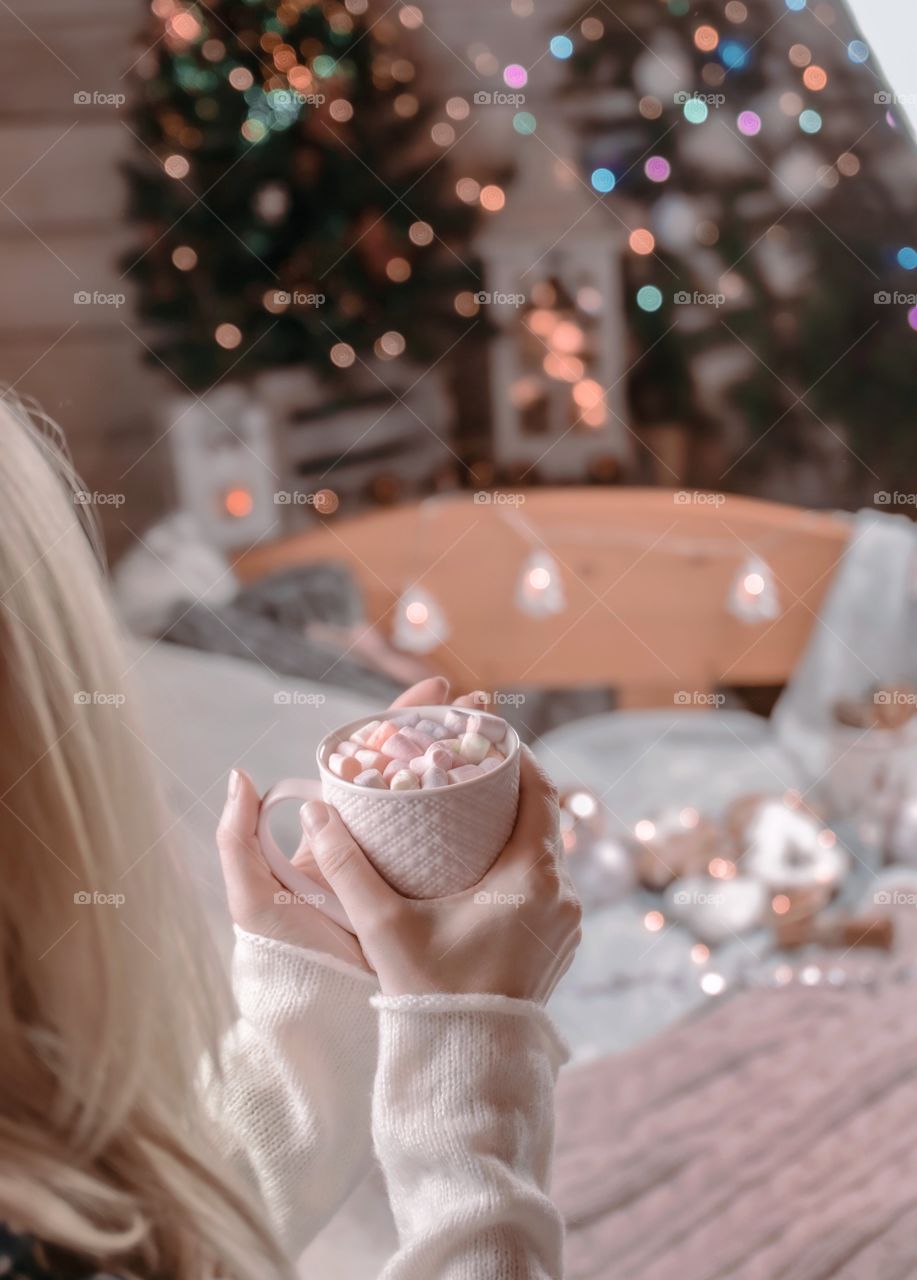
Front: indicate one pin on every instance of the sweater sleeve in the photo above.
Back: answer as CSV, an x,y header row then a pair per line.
x,y
291,1101
463,1123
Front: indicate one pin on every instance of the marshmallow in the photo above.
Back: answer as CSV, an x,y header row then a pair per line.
x,y
346,767
366,732
432,729
456,721
382,735
371,759
423,740
490,727
419,765
370,778
473,747
439,757
464,773
489,763
400,747
404,780
393,767
348,747
434,778
405,718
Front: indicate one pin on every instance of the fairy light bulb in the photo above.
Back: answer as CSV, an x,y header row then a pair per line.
x,y
420,624
539,591
239,503
753,597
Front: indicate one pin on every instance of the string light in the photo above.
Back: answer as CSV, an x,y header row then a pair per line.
x,y
176,167
228,336
642,241
649,298
539,592
420,624
706,39
561,47
343,355
657,168
603,180
184,257
493,198
815,78
515,76
239,503
398,270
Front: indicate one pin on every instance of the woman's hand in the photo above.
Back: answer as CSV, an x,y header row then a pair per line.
x,y
258,901
513,934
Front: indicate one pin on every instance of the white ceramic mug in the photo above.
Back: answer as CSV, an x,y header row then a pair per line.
x,y
425,843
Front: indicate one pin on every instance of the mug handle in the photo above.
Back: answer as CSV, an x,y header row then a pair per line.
x,y
300,790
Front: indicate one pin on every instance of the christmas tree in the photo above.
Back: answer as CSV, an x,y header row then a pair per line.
x,y
295,202
768,185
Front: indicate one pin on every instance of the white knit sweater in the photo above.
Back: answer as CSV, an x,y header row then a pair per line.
x,y
456,1092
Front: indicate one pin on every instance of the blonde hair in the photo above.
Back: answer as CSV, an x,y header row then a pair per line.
x,y
107,999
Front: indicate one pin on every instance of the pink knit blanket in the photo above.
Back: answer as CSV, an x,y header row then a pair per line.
x,y
775,1137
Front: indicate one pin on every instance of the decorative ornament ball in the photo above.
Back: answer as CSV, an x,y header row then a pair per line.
x,y
603,871
788,848
717,910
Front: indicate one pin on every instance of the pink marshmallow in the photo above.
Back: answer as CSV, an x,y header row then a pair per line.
x,y
400,747
489,763
366,732
392,768
404,780
370,778
346,767
473,747
439,757
423,740
348,747
432,729
371,759
434,778
456,721
490,727
381,736
405,718
419,765
464,773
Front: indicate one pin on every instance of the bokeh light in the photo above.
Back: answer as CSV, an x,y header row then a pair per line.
x,y
907,258
493,198
733,54
468,190
912,317
695,111
228,336
848,164
795,6
561,46
649,298
343,355
800,55
809,121
457,109
749,123
642,241
524,122
176,167
420,233
602,179
515,76
857,51
815,78
592,28
239,503
736,11
184,257
398,270
657,169
650,108
706,39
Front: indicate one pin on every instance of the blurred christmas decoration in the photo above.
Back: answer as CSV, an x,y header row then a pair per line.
x,y
420,625
540,592
754,597
291,207
768,184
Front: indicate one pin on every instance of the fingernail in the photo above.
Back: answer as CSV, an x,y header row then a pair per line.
x,y
234,779
314,816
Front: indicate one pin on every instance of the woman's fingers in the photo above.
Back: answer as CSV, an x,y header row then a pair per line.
x,y
362,892
431,692
245,872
